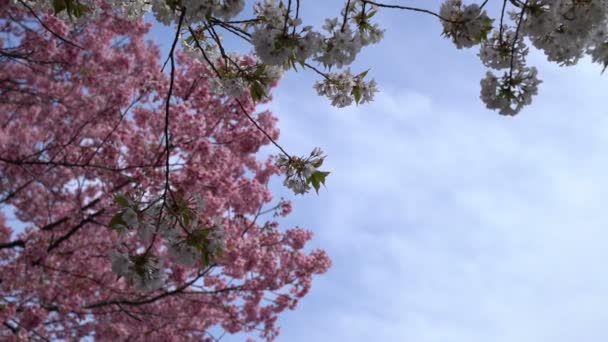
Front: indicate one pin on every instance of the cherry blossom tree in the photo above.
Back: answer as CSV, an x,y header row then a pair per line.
x,y
149,181
144,206
565,30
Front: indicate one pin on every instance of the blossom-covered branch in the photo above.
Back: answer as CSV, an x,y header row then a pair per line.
x,y
564,30
83,166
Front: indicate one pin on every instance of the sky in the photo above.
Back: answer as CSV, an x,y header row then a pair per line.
x,y
445,221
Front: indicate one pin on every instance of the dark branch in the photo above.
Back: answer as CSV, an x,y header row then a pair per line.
x,y
74,229
521,19
91,204
261,129
132,302
13,244
408,8
58,36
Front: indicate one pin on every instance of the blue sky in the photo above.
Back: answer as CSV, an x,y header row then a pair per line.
x,y
445,221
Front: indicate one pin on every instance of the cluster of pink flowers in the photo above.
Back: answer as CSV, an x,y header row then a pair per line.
x,y
119,241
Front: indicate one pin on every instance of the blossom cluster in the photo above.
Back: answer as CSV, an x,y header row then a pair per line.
x,y
466,25
233,74
277,34
141,270
511,92
563,29
195,11
94,112
345,88
301,173
188,239
277,40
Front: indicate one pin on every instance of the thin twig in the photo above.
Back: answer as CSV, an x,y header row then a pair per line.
x,y
261,129
287,17
168,102
521,17
345,16
58,36
502,17
408,8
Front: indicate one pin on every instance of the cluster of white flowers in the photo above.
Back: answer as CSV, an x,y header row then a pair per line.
x,y
341,48
299,171
229,85
131,9
274,47
345,88
564,29
199,245
188,240
277,40
346,38
512,92
143,271
233,75
196,11
210,51
163,12
466,25
505,49
501,49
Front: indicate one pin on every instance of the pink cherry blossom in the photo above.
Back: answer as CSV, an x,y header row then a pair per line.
x,y
82,118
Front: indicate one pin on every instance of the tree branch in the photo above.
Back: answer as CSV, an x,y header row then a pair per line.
x,y
58,36
132,302
74,229
13,244
408,8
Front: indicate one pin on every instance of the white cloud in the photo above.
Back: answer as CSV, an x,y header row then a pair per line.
x,y
454,224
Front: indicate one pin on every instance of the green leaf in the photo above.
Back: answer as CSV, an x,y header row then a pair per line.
x,y
357,94
256,90
292,63
206,260
189,40
171,4
72,7
198,239
260,70
316,179
59,5
122,200
363,26
80,10
187,216
317,163
363,74
117,221
69,8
